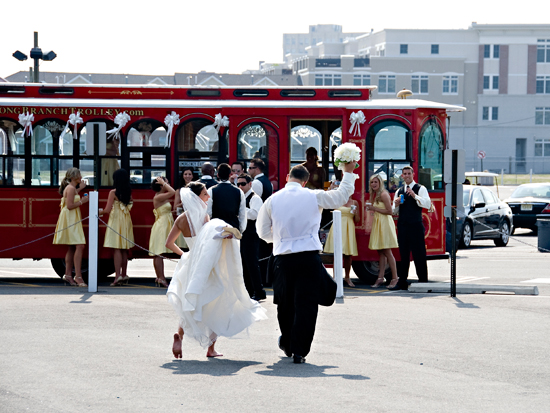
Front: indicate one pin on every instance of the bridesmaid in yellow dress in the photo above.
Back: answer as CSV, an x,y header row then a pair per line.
x,y
349,243
119,204
162,226
383,236
73,236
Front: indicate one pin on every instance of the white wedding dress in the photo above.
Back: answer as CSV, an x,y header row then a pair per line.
x,y
207,289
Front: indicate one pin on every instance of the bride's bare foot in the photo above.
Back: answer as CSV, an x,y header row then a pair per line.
x,y
213,353
176,347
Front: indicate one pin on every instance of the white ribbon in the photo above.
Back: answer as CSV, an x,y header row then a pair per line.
x,y
220,122
356,119
74,119
26,122
170,121
121,120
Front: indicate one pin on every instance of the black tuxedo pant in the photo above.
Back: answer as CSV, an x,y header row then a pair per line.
x,y
250,249
410,237
265,252
294,278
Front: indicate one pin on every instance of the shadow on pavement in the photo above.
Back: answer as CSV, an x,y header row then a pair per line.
x,y
211,367
286,368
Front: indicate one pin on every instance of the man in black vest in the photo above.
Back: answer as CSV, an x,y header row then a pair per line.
x,y
250,242
226,201
410,229
263,187
207,175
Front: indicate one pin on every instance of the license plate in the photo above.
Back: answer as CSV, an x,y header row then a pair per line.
x,y
526,207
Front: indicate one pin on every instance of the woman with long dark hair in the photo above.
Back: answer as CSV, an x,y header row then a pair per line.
x,y
120,231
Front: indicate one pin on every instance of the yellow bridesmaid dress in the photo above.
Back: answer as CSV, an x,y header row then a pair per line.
x,y
382,235
160,230
73,235
121,221
349,243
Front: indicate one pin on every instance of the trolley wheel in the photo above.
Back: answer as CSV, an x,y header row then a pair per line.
x,y
367,271
105,268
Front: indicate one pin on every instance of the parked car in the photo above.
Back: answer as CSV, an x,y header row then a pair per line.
x,y
527,201
485,217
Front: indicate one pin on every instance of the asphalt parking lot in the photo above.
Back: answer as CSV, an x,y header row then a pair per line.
x,y
66,350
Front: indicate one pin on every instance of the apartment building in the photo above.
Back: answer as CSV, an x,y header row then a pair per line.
x,y
500,73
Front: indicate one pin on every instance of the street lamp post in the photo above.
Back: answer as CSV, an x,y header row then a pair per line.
x,y
36,54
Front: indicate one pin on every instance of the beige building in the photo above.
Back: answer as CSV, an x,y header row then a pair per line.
x,y
500,73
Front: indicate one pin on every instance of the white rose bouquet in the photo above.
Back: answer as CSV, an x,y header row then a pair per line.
x,y
346,153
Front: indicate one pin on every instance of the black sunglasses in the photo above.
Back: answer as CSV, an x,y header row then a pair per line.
x,y
242,183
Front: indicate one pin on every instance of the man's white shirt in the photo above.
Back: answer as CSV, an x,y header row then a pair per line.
x,y
255,205
325,199
242,207
257,185
422,198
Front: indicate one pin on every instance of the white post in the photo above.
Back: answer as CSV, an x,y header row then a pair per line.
x,y
338,264
530,176
93,239
502,177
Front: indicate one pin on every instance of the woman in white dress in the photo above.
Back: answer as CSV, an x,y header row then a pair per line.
x,y
207,289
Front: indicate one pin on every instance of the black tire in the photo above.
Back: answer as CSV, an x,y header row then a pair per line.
x,y
367,271
105,268
467,235
504,237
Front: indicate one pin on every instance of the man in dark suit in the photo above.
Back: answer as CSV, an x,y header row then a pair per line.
x,y
262,186
227,202
208,171
410,228
250,242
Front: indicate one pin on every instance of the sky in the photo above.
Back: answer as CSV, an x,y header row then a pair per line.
x,y
167,36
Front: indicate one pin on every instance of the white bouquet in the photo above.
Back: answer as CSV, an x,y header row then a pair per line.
x,y
346,153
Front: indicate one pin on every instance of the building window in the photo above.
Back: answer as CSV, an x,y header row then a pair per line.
x,y
543,84
450,85
490,82
543,50
542,147
404,49
542,116
386,84
419,84
361,80
435,49
487,49
328,80
490,112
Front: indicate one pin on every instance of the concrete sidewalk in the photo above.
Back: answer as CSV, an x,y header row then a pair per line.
x,y
64,350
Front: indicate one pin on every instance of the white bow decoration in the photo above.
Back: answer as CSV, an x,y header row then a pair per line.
x,y
220,122
26,122
170,121
120,120
74,119
356,119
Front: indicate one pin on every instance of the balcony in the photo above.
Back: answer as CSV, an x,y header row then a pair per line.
x,y
328,62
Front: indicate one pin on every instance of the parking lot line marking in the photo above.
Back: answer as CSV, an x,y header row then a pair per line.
x,y
538,281
14,272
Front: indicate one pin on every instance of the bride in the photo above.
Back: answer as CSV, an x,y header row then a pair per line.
x,y
207,289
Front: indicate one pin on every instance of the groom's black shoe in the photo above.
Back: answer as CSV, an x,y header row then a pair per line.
x,y
287,353
299,359
259,295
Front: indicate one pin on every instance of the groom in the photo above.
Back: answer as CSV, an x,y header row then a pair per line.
x,y
290,220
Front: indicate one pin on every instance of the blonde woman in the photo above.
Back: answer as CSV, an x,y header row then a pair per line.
x,y
383,236
69,228
350,216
